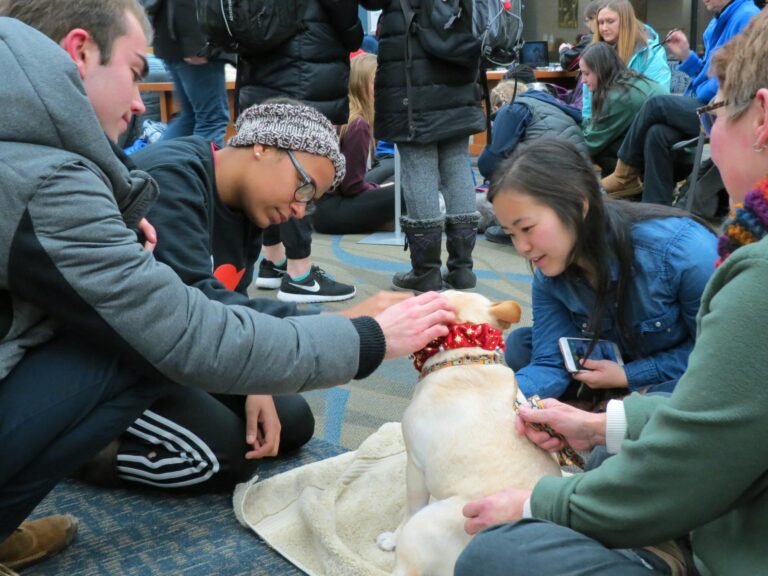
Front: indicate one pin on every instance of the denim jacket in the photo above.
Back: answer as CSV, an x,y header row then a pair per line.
x,y
673,260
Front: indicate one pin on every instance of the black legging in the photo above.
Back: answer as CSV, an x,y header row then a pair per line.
x,y
195,441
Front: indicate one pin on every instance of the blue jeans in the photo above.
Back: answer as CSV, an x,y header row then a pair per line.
x,y
62,403
532,546
202,94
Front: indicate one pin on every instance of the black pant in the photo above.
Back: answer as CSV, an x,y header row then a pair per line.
x,y
62,403
606,158
295,234
661,122
192,440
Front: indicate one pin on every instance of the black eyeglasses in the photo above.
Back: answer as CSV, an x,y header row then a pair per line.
x,y
706,115
307,189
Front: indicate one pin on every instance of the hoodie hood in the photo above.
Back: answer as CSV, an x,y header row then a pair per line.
x,y
45,104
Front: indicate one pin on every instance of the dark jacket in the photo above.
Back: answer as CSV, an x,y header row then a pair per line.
x,y
177,34
445,98
313,66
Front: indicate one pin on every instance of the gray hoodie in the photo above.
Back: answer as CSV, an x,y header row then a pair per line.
x,y
68,258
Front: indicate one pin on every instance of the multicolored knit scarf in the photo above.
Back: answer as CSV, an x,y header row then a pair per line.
x,y
747,223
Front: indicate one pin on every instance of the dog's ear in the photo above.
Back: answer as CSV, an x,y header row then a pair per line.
x,y
507,313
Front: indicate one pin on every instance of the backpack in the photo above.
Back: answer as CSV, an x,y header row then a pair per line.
x,y
466,32
250,27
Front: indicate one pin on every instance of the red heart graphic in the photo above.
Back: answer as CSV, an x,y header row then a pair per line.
x,y
228,275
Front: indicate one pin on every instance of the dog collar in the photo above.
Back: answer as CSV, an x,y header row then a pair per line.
x,y
493,358
465,335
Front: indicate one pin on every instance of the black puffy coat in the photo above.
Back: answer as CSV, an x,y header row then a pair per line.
x,y
313,66
445,98
177,34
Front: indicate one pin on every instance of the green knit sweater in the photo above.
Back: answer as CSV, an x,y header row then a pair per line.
x,y
697,461
620,108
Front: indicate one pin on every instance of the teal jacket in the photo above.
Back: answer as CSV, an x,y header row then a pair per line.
x,y
695,462
649,60
621,106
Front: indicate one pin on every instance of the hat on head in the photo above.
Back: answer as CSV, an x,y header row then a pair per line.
x,y
293,127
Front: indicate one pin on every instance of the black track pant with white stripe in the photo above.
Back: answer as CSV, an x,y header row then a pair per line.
x,y
195,441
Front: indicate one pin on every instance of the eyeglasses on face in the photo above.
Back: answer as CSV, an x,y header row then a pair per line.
x,y
306,190
707,115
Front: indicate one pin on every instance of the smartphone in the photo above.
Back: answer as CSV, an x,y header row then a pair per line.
x,y
574,351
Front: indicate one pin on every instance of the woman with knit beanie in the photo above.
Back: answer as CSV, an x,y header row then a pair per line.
x,y
213,205
692,464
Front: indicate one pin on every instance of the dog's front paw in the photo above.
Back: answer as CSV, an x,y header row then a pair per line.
x,y
387,541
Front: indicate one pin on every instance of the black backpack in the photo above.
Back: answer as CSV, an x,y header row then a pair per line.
x,y
466,32
250,27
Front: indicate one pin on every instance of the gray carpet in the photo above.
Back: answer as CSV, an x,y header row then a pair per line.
x,y
158,533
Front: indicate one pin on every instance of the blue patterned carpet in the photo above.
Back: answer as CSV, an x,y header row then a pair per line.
x,y
147,534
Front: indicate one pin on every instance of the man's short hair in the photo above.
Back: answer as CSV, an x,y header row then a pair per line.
x,y
104,20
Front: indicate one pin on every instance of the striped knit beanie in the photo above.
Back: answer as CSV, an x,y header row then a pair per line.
x,y
748,223
293,127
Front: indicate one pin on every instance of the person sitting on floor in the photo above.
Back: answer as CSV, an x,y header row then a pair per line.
x,y
207,218
97,329
617,95
529,115
357,206
637,45
666,120
691,466
606,269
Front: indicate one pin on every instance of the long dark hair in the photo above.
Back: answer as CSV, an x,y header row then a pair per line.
x,y
611,73
555,174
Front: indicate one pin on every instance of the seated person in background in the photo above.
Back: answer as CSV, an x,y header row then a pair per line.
x,y
357,206
668,478
617,95
637,45
607,269
531,115
665,120
569,53
213,204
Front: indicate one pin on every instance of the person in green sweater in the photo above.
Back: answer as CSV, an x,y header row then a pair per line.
x,y
618,93
691,464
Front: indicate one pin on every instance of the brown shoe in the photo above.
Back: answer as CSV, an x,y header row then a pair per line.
x,y
624,182
36,540
674,555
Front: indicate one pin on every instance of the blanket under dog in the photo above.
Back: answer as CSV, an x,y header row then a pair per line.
x,y
324,517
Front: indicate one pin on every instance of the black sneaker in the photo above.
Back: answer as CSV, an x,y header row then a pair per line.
x,y
317,287
270,275
496,235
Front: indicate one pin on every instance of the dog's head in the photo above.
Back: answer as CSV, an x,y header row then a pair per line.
x,y
477,309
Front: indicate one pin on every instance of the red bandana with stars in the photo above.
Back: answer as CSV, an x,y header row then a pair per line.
x,y
466,335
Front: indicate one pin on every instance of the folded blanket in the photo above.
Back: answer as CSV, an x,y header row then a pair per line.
x,y
324,517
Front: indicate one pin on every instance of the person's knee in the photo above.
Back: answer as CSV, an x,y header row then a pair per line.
x,y
297,422
498,550
519,346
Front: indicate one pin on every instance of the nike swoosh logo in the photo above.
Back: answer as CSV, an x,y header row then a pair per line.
x,y
315,287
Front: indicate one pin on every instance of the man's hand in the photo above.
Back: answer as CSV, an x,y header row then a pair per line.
x,y
504,506
375,305
602,374
415,322
150,234
677,43
262,427
582,430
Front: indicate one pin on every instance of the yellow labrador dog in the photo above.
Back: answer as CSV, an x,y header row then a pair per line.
x,y
460,437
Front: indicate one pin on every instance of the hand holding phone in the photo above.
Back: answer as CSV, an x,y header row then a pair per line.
x,y
574,351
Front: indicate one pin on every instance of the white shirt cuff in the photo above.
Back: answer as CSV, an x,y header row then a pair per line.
x,y
527,508
615,426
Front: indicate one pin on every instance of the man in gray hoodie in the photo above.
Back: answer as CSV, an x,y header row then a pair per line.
x,y
92,328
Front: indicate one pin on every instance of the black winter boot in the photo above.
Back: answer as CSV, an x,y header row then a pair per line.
x,y
425,245
461,232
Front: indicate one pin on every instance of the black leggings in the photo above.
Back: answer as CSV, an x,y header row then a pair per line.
x,y
195,441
